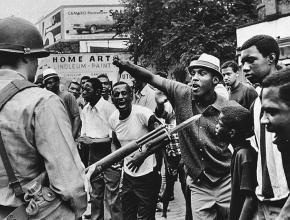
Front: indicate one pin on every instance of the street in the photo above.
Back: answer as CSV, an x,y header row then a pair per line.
x,y
176,207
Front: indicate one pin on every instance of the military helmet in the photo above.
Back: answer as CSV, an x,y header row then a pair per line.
x,y
19,36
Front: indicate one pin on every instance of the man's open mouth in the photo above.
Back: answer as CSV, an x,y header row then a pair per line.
x,y
195,87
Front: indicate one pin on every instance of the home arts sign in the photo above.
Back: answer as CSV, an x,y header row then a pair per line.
x,y
74,66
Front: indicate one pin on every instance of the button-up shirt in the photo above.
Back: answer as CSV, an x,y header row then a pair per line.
x,y
203,152
95,119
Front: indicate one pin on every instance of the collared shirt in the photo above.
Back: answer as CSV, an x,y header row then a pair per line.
x,y
203,152
95,119
273,159
130,129
146,97
37,136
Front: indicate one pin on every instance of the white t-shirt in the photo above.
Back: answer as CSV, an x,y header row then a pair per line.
x,y
130,129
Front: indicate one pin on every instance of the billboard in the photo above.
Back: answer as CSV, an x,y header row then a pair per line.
x,y
74,66
50,28
89,22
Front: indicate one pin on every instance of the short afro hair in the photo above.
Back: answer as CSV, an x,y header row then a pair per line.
x,y
85,78
103,75
96,84
265,45
237,117
231,64
279,79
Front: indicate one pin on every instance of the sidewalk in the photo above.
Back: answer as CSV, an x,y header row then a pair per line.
x,y
176,207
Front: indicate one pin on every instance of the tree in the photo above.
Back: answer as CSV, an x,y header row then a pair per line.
x,y
167,32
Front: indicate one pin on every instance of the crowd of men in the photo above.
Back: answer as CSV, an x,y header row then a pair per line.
x,y
231,160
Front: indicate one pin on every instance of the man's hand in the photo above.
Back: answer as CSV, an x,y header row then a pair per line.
x,y
160,97
136,160
89,173
84,140
117,166
117,62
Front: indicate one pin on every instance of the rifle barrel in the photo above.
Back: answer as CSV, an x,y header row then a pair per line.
x,y
152,138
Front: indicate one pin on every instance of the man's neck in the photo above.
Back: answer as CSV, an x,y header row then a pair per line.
x,y
125,114
207,99
273,69
238,142
235,85
95,101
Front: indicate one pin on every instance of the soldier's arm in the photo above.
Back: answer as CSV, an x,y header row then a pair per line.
x,y
55,143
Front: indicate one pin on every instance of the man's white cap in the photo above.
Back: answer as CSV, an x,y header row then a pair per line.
x,y
49,73
208,61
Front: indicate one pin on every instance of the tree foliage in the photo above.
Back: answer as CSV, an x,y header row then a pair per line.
x,y
167,32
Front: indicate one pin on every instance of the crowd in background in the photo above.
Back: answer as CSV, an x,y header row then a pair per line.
x,y
231,161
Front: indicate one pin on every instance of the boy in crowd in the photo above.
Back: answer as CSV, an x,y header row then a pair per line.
x,y
234,125
244,94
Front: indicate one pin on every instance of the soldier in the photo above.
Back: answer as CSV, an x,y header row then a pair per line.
x,y
37,136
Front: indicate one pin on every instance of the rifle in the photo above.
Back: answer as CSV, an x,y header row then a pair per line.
x,y
152,140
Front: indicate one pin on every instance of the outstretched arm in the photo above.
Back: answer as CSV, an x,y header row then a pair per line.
x,y
139,73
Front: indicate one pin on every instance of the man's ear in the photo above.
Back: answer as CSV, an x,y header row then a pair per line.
x,y
232,133
271,58
215,80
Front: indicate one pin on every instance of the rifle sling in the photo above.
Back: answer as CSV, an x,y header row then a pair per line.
x,y
5,95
